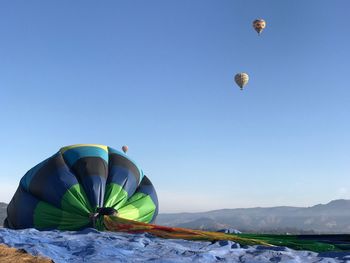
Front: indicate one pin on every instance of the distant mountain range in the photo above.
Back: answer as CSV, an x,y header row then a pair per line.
x,y
333,217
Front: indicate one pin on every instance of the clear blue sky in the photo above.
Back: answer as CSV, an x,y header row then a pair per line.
x,y
158,76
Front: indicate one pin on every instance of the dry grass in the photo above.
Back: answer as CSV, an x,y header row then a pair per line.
x,y
10,255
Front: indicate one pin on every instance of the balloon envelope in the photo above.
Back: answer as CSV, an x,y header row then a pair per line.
x,y
259,25
125,148
66,190
241,79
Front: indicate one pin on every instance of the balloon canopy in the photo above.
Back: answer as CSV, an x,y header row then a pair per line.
x,y
259,25
125,148
74,187
241,79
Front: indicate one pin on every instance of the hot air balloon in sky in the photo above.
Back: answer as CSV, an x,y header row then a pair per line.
x,y
125,148
259,25
78,186
241,79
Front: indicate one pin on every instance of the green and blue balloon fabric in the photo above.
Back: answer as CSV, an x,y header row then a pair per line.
x,y
70,189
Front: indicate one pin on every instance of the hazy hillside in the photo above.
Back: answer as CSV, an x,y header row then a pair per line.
x,y
3,207
333,217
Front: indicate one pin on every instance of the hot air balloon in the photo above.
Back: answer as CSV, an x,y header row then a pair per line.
x,y
79,185
125,148
259,25
241,79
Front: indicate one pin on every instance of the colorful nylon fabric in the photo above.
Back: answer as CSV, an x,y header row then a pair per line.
x,y
117,224
316,243
67,190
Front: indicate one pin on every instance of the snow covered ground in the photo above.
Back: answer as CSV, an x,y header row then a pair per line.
x,y
90,245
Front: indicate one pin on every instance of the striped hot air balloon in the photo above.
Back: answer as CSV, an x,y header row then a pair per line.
x,y
78,186
241,79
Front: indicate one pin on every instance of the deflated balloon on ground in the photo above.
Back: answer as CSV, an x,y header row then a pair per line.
x,y
79,184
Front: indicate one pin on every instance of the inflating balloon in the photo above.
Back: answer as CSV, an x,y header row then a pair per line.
x,y
78,186
259,25
125,148
241,79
